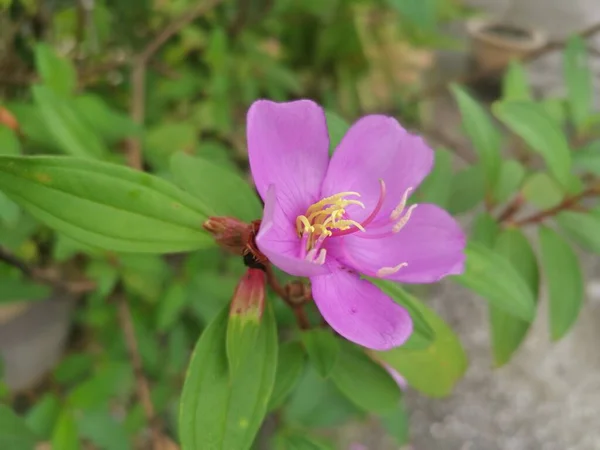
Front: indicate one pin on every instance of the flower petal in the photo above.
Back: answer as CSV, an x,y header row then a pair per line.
x,y
377,147
360,311
431,244
288,147
277,240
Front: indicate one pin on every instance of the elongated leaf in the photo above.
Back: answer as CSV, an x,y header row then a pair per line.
x,y
322,348
495,279
105,205
56,72
435,370
65,435
300,440
529,121
467,190
72,133
219,411
507,331
290,363
578,78
587,159
511,177
337,128
542,190
9,142
14,432
485,230
363,381
515,85
42,416
484,136
171,306
223,192
564,279
423,334
15,289
436,187
583,228
396,423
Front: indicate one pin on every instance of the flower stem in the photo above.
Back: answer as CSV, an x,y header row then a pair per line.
x,y
297,308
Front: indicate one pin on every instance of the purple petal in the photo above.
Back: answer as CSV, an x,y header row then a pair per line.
x,y
288,147
377,147
431,244
278,240
360,311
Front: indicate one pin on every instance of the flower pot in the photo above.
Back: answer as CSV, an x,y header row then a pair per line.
x,y
495,43
32,338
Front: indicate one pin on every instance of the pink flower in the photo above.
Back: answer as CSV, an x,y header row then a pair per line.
x,y
332,220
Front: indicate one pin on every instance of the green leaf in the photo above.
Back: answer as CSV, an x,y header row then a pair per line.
x,y
587,159
556,110
482,133
64,436
423,334
421,14
515,85
322,348
436,188
396,423
299,440
507,331
42,416
111,381
70,130
15,289
466,190
9,143
221,411
564,279
103,430
511,177
434,371
105,205
337,128
495,279
290,363
485,229
542,190
171,306
167,139
529,121
221,191
73,368
363,381
14,432
578,78
582,228
57,73
10,213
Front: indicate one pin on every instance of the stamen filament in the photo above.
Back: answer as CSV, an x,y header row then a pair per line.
x,y
404,220
387,271
397,212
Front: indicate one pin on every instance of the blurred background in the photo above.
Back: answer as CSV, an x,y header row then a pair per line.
x,y
148,78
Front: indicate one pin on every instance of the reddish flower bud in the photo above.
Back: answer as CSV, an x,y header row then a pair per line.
x,y
249,296
8,120
230,233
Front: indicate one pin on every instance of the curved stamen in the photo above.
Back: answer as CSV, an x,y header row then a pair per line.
x,y
387,271
397,212
404,219
361,226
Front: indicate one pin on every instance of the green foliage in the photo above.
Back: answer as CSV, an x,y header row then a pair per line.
x,y
578,78
322,348
14,432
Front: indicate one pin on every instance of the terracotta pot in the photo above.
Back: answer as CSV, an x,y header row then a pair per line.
x,y
495,43
32,338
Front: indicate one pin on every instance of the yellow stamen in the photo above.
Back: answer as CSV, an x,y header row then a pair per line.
x,y
386,271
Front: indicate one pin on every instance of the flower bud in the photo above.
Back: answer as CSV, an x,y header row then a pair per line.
x,y
230,233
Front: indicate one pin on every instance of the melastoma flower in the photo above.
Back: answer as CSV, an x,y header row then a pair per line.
x,y
334,219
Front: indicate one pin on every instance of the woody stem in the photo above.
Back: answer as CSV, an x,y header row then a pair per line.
x,y
297,309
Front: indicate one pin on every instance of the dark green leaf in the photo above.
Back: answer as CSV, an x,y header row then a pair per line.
x,y
337,128
466,190
396,424
299,440
103,430
322,347
42,416
73,368
493,277
511,177
363,381
219,410
70,131
485,230
564,279
14,289
290,363
483,134
437,186
105,205
171,306
507,331
109,382
529,121
14,432
587,159
578,78
221,191
9,142
421,14
436,369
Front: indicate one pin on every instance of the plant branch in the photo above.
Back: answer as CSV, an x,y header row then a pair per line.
x,y
471,77
283,293
568,203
